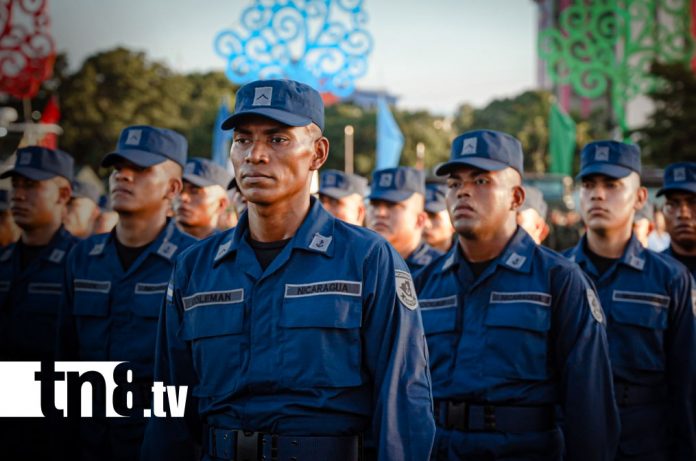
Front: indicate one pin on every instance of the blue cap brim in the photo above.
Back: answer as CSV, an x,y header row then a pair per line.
x,y
199,180
335,192
606,169
286,118
393,196
141,158
481,163
435,207
28,172
689,187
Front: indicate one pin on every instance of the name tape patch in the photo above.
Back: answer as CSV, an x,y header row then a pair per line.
x,y
329,287
534,297
653,299
93,286
45,288
209,298
150,288
438,303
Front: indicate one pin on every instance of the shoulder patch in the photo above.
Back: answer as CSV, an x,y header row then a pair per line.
x,y
222,250
595,306
405,290
636,262
6,255
320,243
515,261
97,249
167,249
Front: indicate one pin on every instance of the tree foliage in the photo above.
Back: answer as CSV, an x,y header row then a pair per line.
x,y
668,136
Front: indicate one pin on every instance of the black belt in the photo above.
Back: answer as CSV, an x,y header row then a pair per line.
x,y
237,445
628,395
470,417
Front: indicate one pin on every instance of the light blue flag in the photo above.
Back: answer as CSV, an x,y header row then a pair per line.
x,y
221,139
390,141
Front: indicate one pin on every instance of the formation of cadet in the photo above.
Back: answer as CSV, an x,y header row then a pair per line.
x,y
203,199
302,336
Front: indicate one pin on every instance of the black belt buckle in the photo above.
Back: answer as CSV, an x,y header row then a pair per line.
x,y
457,415
248,446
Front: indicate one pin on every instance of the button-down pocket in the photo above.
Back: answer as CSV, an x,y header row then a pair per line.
x,y
91,311
439,322
636,332
321,341
218,343
516,340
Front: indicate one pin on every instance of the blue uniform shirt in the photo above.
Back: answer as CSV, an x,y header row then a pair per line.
x,y
328,340
423,255
648,300
527,333
29,299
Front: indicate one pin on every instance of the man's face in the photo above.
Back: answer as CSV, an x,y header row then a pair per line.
x,y
397,221
479,201
137,189
349,209
199,206
272,161
438,229
35,203
607,203
680,218
80,217
531,221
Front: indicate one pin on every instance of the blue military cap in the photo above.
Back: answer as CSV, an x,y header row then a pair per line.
x,y
534,199
609,158
286,101
397,184
485,149
679,177
337,184
4,199
39,163
86,190
435,193
146,146
202,172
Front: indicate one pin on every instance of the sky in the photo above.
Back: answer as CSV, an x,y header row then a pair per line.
x,y
431,54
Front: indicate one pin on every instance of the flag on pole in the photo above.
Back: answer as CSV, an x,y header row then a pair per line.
x,y
562,136
220,151
390,141
50,115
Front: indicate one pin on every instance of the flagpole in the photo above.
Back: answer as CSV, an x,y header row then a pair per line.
x,y
348,131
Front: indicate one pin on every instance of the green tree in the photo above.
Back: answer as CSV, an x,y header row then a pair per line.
x,y
668,135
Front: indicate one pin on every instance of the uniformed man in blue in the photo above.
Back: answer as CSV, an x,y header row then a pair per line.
x,y
116,281
203,199
32,273
438,231
679,189
514,330
343,195
648,301
396,212
296,331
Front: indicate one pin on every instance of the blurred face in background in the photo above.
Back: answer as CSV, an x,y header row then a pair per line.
x,y
438,230
200,207
608,204
38,204
680,220
80,217
350,209
401,223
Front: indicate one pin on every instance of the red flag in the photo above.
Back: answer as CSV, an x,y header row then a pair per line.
x,y
50,114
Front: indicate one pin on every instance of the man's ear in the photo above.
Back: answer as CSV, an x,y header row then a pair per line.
x,y
176,185
641,198
321,153
421,219
64,192
518,196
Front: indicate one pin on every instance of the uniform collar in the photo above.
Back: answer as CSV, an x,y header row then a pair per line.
x,y
165,245
633,255
516,256
55,252
315,234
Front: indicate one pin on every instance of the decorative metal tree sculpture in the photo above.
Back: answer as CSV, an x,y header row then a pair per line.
x,y
323,43
609,45
27,51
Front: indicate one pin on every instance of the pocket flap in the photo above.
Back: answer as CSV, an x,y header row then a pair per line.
x,y
439,314
213,320
642,315
525,316
322,312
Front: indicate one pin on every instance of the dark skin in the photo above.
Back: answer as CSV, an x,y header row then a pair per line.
x,y
483,206
273,165
680,220
38,207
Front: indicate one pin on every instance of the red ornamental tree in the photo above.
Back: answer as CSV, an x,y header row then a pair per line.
x,y
27,50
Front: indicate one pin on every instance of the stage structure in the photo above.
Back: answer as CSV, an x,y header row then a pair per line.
x,y
605,47
323,43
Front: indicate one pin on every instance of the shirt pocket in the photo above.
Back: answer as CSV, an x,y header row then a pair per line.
x,y
91,311
440,325
636,333
43,298
320,344
218,344
517,340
